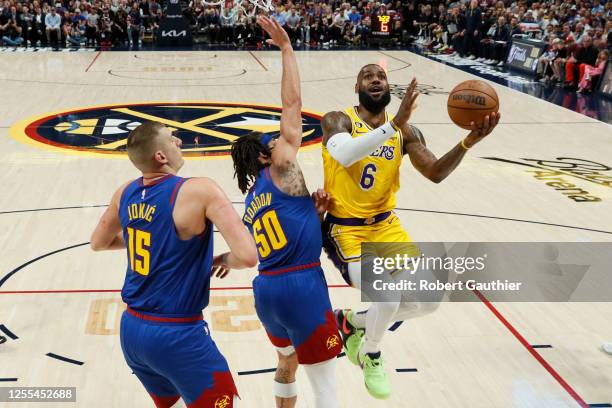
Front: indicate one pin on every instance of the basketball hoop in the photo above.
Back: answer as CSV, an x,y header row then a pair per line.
x,y
263,5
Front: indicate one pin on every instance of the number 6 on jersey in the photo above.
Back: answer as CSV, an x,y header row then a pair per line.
x,y
367,177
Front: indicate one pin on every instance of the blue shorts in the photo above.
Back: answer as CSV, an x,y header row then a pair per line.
x,y
295,310
174,358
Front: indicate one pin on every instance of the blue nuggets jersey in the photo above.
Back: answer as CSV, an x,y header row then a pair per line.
x,y
286,229
165,275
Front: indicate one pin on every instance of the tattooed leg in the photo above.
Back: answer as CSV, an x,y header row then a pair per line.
x,y
284,381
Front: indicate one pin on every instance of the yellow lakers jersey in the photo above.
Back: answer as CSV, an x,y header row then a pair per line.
x,y
367,187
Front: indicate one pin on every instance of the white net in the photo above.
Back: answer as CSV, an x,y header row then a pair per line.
x,y
249,7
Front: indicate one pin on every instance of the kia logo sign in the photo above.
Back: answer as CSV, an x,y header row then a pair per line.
x,y
174,33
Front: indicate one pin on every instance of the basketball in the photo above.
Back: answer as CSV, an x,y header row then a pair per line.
x,y
471,101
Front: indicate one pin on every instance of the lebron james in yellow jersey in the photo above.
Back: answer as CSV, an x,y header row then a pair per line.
x,y
366,191
362,153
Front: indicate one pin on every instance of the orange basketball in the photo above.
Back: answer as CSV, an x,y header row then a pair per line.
x,y
471,101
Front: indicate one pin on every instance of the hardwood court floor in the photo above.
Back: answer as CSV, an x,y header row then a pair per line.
x,y
464,355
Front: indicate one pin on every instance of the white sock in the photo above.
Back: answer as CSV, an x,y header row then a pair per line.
x,y
322,377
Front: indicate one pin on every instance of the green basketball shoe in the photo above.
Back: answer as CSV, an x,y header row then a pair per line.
x,y
375,376
352,336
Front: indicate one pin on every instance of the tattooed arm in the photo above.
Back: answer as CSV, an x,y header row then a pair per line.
x,y
436,169
290,180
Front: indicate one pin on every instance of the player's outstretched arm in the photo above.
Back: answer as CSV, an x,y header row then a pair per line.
x,y
348,150
285,150
107,235
221,212
436,169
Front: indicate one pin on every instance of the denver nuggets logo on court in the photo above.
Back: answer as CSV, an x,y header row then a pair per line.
x,y
222,402
333,341
206,129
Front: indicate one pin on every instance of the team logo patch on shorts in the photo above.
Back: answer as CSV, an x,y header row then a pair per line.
x,y
333,341
205,128
223,402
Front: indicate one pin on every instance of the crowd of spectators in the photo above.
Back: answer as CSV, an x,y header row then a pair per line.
x,y
127,22
76,23
577,32
308,23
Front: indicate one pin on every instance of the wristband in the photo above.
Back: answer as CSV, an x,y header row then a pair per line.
x,y
463,144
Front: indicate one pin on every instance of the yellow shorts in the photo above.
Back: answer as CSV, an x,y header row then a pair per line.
x,y
343,243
